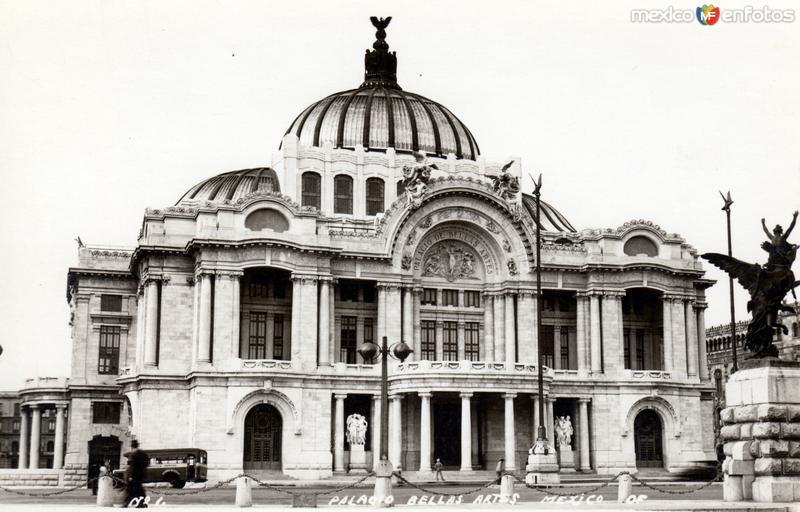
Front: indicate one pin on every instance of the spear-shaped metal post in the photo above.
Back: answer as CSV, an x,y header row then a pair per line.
x,y
727,208
541,445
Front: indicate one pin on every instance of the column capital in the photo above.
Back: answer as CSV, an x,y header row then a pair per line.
x,y
509,395
327,279
376,398
396,397
340,396
422,394
304,278
673,297
465,394
700,305
61,407
582,294
389,285
584,400
33,407
526,293
231,274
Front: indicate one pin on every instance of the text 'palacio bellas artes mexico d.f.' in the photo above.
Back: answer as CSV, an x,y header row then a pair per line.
x,y
234,324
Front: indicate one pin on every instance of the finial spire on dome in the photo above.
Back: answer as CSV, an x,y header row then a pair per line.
x,y
380,65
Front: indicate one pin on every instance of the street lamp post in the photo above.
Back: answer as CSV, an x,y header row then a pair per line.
x,y
727,208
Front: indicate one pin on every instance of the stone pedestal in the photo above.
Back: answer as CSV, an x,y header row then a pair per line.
x,y
382,495
358,459
542,465
761,431
566,459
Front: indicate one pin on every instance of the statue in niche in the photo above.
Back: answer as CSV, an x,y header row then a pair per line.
x,y
564,431
415,179
356,430
505,184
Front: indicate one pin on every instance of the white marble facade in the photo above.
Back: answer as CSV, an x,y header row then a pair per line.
x,y
243,304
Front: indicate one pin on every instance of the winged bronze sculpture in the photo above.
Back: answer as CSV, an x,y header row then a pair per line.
x,y
767,284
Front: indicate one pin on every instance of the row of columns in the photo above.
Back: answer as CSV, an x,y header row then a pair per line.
x,y
30,440
425,433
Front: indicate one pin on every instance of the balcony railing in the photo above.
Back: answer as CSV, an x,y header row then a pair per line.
x,y
466,366
265,364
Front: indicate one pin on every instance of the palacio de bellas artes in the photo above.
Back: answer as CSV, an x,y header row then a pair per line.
x,y
384,300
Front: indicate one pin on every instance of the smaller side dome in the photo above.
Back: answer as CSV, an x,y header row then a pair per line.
x,y
231,186
552,219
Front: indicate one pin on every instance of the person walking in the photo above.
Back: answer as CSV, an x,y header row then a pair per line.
x,y
437,467
135,473
500,468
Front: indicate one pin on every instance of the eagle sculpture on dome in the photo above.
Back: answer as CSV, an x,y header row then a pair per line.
x,y
767,284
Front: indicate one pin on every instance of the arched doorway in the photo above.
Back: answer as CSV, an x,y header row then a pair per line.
x,y
647,437
102,449
262,438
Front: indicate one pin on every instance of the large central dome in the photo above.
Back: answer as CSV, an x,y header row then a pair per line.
x,y
380,115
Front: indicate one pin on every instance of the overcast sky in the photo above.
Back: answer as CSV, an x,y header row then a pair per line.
x,y
108,107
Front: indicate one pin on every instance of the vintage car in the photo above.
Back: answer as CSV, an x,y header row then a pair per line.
x,y
174,466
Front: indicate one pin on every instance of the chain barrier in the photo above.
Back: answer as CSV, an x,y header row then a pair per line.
x,y
200,490
82,485
442,493
311,493
643,483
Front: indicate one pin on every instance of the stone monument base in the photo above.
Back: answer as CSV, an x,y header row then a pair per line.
x,y
761,431
542,469
358,460
566,460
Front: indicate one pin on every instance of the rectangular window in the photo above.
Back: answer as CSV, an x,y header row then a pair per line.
x,y
626,343
564,348
472,299
348,292
257,342
369,293
277,337
547,346
348,340
639,349
16,409
51,426
449,297
105,412
343,194
450,341
428,297
257,290
472,341
428,342
15,426
108,355
369,330
111,303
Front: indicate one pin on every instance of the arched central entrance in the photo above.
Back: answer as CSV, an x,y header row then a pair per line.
x,y
647,435
262,438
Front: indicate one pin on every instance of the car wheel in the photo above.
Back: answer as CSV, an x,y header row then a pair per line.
x,y
178,484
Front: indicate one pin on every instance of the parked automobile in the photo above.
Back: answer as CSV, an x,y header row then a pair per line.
x,y
174,466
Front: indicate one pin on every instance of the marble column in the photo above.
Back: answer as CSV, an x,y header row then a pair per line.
x,y
375,429
594,318
466,431
417,329
58,449
536,420
499,328
557,347
487,350
151,324
294,333
381,320
701,341
408,316
691,340
613,350
324,335
551,434
527,341
395,431
425,431
509,434
24,438
679,338
511,331
582,338
583,430
36,428
392,313
338,434
204,330
236,313
306,345
667,334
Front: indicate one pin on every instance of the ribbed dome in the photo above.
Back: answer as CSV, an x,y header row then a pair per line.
x,y
552,219
380,115
232,186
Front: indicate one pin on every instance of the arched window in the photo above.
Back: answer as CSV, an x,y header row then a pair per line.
x,y
640,245
374,196
343,194
49,447
266,218
311,194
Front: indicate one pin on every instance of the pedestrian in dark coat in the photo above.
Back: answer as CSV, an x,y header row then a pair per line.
x,y
135,473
